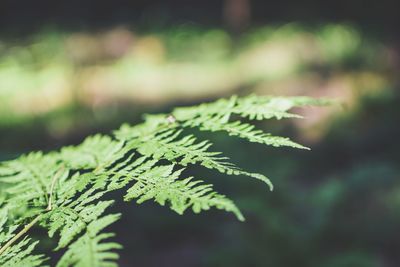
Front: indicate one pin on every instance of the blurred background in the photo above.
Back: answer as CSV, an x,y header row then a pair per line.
x,y
69,69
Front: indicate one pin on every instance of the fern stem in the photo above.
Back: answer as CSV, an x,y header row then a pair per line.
x,y
20,233
53,183
37,218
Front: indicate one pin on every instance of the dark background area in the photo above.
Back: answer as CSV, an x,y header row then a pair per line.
x,y
26,16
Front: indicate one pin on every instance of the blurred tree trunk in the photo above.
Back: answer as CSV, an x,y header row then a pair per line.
x,y
237,15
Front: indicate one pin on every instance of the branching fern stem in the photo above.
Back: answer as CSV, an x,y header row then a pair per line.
x,y
27,227
20,233
52,187
148,159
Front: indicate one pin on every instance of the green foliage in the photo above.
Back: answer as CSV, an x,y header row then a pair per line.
x,y
65,191
20,254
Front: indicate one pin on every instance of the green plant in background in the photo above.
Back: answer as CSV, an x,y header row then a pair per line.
x,y
54,71
65,191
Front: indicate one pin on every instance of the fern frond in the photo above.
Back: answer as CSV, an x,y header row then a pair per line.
x,y
71,220
19,254
252,107
65,191
27,181
91,249
167,144
79,216
248,132
162,184
266,107
95,152
216,116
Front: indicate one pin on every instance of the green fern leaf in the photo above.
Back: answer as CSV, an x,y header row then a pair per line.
x,y
19,254
65,191
161,184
